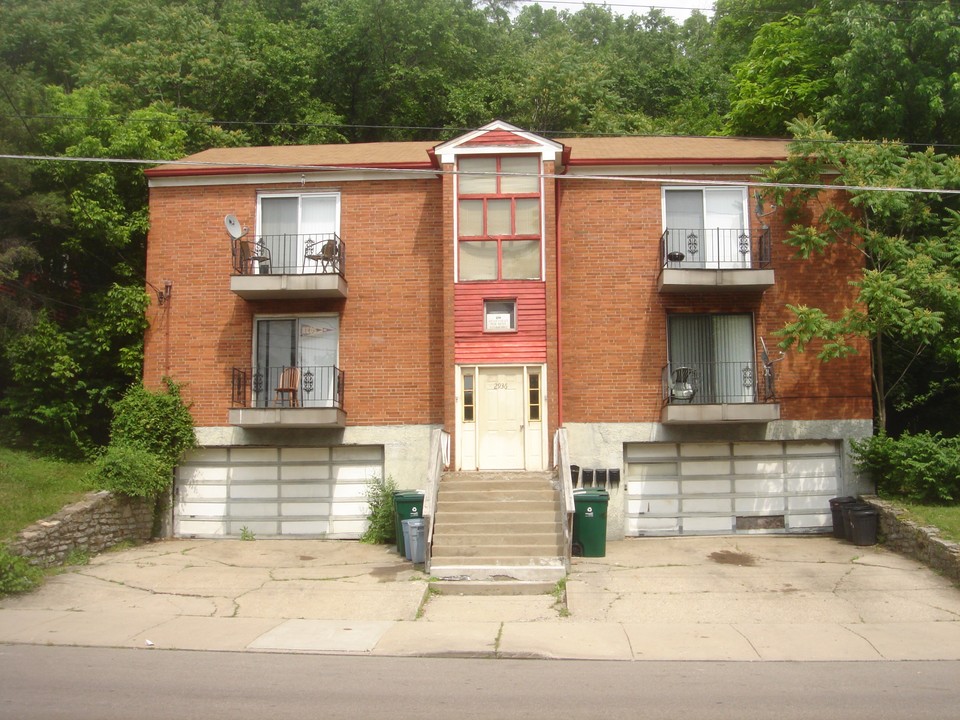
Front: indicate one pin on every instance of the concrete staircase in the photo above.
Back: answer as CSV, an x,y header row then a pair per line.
x,y
498,532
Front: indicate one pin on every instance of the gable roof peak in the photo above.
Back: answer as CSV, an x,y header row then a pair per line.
x,y
497,137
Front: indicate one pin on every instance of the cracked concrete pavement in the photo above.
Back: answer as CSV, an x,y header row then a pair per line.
x,y
695,598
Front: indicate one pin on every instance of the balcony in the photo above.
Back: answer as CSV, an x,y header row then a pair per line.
x,y
719,392
288,397
287,267
715,259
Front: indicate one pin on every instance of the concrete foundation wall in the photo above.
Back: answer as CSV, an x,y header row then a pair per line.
x,y
406,448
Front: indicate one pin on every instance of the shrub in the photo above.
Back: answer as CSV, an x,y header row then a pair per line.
x,y
149,433
155,421
131,470
380,529
924,468
16,574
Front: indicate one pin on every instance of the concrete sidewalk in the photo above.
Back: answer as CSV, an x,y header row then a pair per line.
x,y
713,598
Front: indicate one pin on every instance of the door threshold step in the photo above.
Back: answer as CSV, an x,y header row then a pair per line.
x,y
459,573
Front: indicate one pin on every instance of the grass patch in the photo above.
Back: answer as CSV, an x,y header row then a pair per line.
x,y
31,488
945,517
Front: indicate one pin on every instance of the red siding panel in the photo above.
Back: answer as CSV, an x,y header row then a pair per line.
x,y
498,137
527,345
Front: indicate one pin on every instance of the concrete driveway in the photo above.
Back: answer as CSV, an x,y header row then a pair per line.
x,y
714,598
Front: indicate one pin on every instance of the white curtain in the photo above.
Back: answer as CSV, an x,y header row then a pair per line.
x,y
723,220
278,228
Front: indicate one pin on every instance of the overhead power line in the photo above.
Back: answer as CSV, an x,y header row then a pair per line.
x,y
434,173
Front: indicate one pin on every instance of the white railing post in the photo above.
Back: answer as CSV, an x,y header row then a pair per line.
x,y
439,459
561,461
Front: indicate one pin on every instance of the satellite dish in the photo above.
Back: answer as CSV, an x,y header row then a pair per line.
x,y
234,227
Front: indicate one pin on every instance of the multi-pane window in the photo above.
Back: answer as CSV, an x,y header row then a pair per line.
x,y
533,397
714,356
469,398
499,218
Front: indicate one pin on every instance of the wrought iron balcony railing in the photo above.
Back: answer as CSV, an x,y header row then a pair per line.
x,y
311,254
715,249
305,386
718,383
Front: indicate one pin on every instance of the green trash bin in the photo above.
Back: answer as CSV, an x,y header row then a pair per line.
x,y
407,504
590,522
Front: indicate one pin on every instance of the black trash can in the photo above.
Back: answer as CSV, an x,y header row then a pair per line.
x,y
863,525
846,510
836,510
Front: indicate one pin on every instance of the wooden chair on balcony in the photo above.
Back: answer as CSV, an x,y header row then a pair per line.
x,y
289,385
323,252
254,257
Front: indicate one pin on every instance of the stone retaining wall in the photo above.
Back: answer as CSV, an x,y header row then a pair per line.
x,y
99,521
907,537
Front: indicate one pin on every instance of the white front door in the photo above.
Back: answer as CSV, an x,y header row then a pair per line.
x,y
500,418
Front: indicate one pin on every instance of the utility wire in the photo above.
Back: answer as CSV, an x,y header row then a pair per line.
x,y
434,173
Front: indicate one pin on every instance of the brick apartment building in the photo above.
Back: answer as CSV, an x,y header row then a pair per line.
x,y
328,307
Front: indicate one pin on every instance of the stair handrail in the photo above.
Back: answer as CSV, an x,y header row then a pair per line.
x,y
438,460
561,462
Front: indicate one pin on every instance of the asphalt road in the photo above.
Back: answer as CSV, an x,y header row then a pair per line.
x,y
103,684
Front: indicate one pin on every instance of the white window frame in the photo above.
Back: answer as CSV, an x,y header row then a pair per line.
x,y
487,313
303,265
713,252
257,319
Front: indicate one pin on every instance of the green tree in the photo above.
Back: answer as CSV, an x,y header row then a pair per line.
x,y
84,224
908,295
786,74
389,65
870,69
64,381
898,78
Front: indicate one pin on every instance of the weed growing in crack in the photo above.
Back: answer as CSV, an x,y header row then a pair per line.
x,y
431,592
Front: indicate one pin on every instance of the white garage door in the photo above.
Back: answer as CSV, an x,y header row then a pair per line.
x,y
275,492
722,488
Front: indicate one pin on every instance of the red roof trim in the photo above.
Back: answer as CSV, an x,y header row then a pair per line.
x,y
164,171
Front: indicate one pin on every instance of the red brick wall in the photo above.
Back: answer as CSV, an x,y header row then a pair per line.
x,y
397,334
614,317
391,324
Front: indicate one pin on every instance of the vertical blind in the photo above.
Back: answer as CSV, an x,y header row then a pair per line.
x,y
719,348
